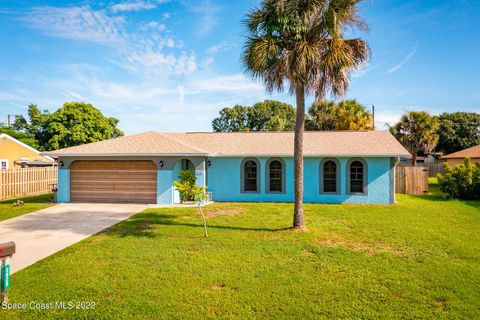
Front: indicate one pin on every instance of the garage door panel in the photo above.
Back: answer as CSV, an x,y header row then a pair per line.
x,y
94,176
112,186
113,181
113,165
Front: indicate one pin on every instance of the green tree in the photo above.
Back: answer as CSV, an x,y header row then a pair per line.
x,y
351,115
417,131
21,136
346,115
73,124
321,116
458,131
232,119
269,115
301,44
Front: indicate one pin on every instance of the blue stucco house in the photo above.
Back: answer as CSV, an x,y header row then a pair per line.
x,y
339,167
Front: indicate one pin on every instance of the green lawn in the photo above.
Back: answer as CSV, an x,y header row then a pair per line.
x,y
8,210
417,259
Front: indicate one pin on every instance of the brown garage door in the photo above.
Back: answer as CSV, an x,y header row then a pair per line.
x,y
113,181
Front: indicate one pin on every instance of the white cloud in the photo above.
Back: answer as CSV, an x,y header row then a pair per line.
x,y
208,13
76,23
404,61
227,83
219,47
154,25
181,92
137,5
182,65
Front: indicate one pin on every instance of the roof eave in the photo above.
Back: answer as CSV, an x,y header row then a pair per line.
x,y
216,155
127,154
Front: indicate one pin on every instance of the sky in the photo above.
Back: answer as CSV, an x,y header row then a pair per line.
x,y
172,65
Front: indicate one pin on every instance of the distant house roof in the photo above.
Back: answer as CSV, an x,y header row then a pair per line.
x,y
6,136
473,152
316,143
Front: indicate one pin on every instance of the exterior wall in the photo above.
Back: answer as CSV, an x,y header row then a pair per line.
x,y
63,193
224,181
454,162
168,168
12,151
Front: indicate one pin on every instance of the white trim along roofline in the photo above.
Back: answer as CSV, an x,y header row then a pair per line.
x,y
4,135
217,155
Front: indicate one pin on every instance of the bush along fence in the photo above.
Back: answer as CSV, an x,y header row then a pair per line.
x,y
411,180
21,182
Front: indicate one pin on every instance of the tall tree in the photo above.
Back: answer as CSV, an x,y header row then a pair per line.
x,y
417,131
232,119
458,131
346,115
269,115
21,136
321,115
301,44
73,124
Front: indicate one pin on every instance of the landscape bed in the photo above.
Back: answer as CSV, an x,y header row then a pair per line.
x,y
417,259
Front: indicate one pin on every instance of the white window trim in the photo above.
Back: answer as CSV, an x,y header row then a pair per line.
x,y
4,160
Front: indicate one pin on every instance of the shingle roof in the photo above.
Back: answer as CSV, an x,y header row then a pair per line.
x,y
316,143
473,152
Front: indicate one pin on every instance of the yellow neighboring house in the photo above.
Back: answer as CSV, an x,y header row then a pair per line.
x,y
16,154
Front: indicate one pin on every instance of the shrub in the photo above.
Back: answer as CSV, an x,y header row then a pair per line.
x,y
461,181
186,185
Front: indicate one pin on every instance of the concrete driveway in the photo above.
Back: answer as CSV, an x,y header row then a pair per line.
x,y
42,233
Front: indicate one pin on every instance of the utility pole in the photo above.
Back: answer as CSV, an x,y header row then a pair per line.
x,y
373,116
9,116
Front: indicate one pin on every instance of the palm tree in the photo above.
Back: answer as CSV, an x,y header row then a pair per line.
x,y
345,115
351,115
417,131
301,44
321,115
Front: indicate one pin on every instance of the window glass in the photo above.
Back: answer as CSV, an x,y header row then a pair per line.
x,y
276,172
356,177
250,176
329,176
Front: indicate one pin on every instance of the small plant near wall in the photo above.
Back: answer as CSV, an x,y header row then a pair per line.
x,y
461,181
186,185
190,191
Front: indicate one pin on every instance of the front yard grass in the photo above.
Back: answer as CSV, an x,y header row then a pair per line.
x,y
33,203
417,259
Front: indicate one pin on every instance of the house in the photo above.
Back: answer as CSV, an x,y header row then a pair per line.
x,y
339,167
16,154
458,157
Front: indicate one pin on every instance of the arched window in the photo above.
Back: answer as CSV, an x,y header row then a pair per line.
x,y
250,175
357,177
275,176
330,177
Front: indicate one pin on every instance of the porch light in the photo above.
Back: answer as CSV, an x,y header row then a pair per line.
x,y
61,163
161,163
209,163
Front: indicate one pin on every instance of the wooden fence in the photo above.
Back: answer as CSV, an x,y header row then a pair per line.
x,y
411,180
26,182
434,168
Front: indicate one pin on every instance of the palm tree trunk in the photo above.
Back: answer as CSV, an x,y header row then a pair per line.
x,y
414,158
298,221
